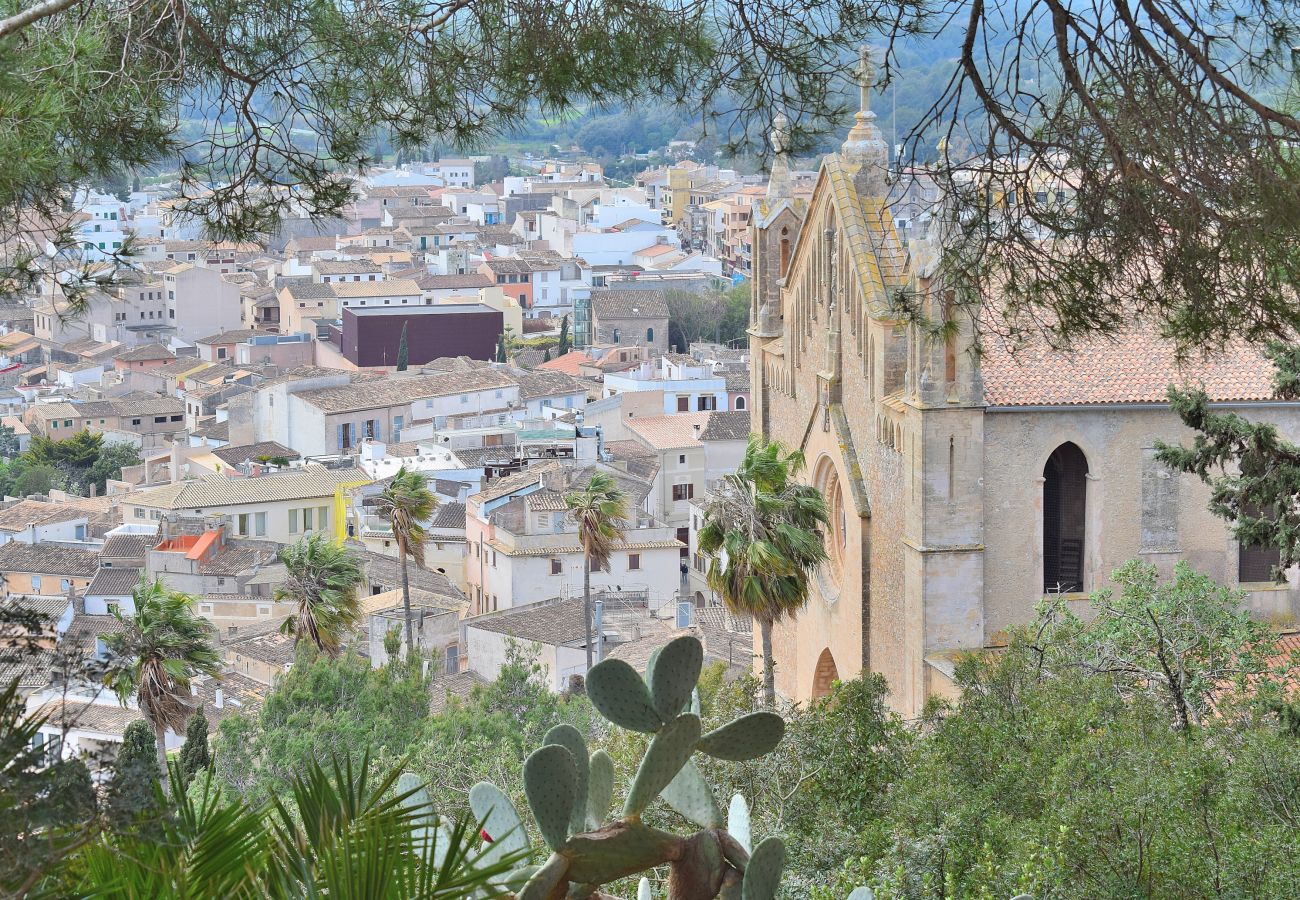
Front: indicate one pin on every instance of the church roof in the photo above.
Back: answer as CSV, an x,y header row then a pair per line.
x,y
1137,366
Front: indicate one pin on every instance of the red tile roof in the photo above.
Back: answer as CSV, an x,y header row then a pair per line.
x,y
1134,367
568,363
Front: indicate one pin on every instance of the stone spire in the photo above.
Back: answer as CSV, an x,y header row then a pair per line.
x,y
778,185
865,145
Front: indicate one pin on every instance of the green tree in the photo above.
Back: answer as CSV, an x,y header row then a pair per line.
x,y
8,442
1184,641
501,348
403,351
735,317
40,795
131,795
322,583
600,511
546,355
486,735
108,465
322,706
195,757
763,532
565,344
1252,471
1045,780
406,504
35,479
76,453
161,646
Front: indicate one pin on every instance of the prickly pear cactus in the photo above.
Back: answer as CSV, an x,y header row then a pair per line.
x,y
570,793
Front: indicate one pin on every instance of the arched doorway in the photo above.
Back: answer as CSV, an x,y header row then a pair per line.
x,y
1065,497
825,675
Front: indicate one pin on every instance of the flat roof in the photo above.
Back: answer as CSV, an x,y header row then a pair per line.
x,y
436,309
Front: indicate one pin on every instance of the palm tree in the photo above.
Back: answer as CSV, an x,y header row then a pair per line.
x,y
323,582
342,830
764,533
599,510
160,648
406,504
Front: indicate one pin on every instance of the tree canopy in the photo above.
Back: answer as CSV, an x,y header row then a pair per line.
x,y
1070,141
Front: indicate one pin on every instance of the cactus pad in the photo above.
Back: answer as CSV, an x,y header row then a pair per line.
x,y
650,665
498,817
664,758
551,785
545,879
748,737
864,893
691,796
600,788
763,874
619,694
674,675
643,890
738,822
570,739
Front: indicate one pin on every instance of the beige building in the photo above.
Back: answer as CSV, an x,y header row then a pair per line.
x,y
962,488
147,422
46,570
283,507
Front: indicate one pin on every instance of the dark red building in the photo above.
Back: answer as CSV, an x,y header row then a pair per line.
x,y
371,335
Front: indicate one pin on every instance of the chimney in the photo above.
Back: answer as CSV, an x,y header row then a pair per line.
x,y
697,428
220,699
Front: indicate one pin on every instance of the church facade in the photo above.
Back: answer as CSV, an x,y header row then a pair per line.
x,y
962,487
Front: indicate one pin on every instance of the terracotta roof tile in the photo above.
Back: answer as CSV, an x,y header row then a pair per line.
x,y
1134,367
669,432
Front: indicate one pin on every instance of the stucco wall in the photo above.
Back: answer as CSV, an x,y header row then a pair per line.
x,y
1017,445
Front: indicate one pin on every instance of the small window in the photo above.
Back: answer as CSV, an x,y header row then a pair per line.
x,y
176,418
683,491
1257,562
139,513
205,609
293,521
649,335
683,403
113,608
159,419
633,562
557,567
135,421
681,459
36,583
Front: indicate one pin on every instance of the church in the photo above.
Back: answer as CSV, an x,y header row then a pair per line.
x,y
963,487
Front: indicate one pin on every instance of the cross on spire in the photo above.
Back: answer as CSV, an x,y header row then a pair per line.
x,y
866,72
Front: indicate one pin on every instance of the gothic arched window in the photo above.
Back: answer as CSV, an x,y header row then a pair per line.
x,y
1065,495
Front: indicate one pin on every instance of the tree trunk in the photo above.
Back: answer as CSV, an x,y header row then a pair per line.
x,y
160,745
406,599
769,665
586,603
